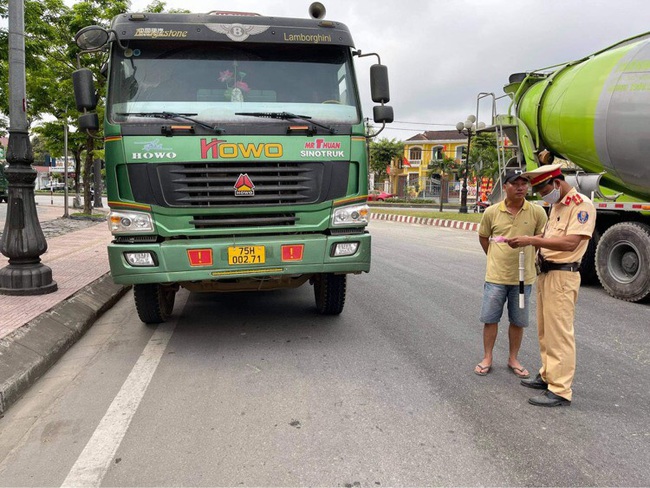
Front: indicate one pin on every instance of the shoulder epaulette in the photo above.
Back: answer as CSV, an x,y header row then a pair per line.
x,y
577,199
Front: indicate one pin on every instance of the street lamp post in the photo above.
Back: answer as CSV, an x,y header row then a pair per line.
x,y
23,241
465,128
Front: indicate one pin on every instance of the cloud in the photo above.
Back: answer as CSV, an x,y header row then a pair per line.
x,y
442,53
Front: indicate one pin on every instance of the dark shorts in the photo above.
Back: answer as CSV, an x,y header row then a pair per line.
x,y
495,297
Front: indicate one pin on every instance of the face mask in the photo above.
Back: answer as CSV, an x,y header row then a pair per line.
x,y
552,197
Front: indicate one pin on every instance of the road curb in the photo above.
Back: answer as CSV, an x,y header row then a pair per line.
x,y
454,224
28,352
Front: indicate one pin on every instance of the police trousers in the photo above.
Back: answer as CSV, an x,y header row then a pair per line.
x,y
557,294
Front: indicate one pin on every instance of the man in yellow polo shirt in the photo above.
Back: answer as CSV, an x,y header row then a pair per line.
x,y
561,247
514,216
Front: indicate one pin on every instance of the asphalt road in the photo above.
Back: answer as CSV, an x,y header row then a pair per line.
x,y
258,390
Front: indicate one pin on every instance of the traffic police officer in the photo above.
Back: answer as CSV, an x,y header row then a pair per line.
x,y
561,247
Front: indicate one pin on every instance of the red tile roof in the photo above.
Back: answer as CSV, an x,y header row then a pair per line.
x,y
438,135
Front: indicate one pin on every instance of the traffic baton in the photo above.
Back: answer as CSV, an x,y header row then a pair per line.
x,y
521,278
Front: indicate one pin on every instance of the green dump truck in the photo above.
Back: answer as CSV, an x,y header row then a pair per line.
x,y
236,153
594,113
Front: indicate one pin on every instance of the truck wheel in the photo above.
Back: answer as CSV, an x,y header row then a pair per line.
x,y
154,302
623,261
329,291
588,274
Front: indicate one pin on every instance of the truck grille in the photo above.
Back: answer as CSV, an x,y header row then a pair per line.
x,y
213,184
242,220
210,188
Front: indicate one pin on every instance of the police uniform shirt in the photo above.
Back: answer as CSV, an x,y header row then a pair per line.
x,y
573,215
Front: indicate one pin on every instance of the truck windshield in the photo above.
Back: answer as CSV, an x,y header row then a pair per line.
x,y
217,82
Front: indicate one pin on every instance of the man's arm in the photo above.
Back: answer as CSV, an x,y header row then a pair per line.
x,y
564,243
485,243
485,228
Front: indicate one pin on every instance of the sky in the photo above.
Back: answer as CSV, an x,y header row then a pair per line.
x,y
441,54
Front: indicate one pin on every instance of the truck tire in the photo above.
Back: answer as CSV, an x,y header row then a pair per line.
x,y
623,261
588,274
154,302
329,291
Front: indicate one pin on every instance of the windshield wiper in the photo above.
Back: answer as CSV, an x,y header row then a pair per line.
x,y
174,115
287,116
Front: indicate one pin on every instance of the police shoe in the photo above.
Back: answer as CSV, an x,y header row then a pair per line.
x,y
537,383
549,399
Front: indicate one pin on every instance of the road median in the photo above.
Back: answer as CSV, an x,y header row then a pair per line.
x,y
438,222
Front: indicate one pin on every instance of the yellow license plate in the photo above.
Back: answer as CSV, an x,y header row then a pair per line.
x,y
246,255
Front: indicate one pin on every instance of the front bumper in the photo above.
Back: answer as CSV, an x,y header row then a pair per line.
x,y
172,262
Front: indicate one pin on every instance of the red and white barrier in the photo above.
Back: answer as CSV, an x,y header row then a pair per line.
x,y
454,224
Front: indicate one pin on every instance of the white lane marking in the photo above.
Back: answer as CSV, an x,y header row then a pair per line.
x,y
95,459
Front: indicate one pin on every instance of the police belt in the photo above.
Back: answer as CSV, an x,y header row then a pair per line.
x,y
546,266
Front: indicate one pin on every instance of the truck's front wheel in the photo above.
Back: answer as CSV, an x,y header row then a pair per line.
x,y
329,291
154,302
623,261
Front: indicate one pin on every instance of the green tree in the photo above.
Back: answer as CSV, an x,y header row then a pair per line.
x,y
382,152
484,155
97,12
50,59
39,150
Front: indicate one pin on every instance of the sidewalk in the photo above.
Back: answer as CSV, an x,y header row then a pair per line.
x,y
35,331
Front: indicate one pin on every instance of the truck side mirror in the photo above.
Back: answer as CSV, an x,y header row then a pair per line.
x,y
382,114
84,89
88,122
92,38
379,89
85,99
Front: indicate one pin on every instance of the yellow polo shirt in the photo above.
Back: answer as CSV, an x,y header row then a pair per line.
x,y
573,215
503,261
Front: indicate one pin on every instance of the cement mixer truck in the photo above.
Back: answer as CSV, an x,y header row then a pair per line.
x,y
594,113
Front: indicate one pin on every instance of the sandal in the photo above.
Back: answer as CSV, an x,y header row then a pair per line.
x,y
482,370
520,372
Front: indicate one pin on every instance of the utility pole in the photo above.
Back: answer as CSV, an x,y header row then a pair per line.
x,y
23,240
65,168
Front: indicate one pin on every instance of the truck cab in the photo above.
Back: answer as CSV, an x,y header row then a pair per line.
x,y
236,154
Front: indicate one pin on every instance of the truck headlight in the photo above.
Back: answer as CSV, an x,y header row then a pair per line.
x,y
130,222
141,259
352,215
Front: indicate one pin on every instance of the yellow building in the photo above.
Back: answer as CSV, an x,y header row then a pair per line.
x,y
413,175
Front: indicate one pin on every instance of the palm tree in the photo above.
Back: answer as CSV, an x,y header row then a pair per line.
x,y
444,166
